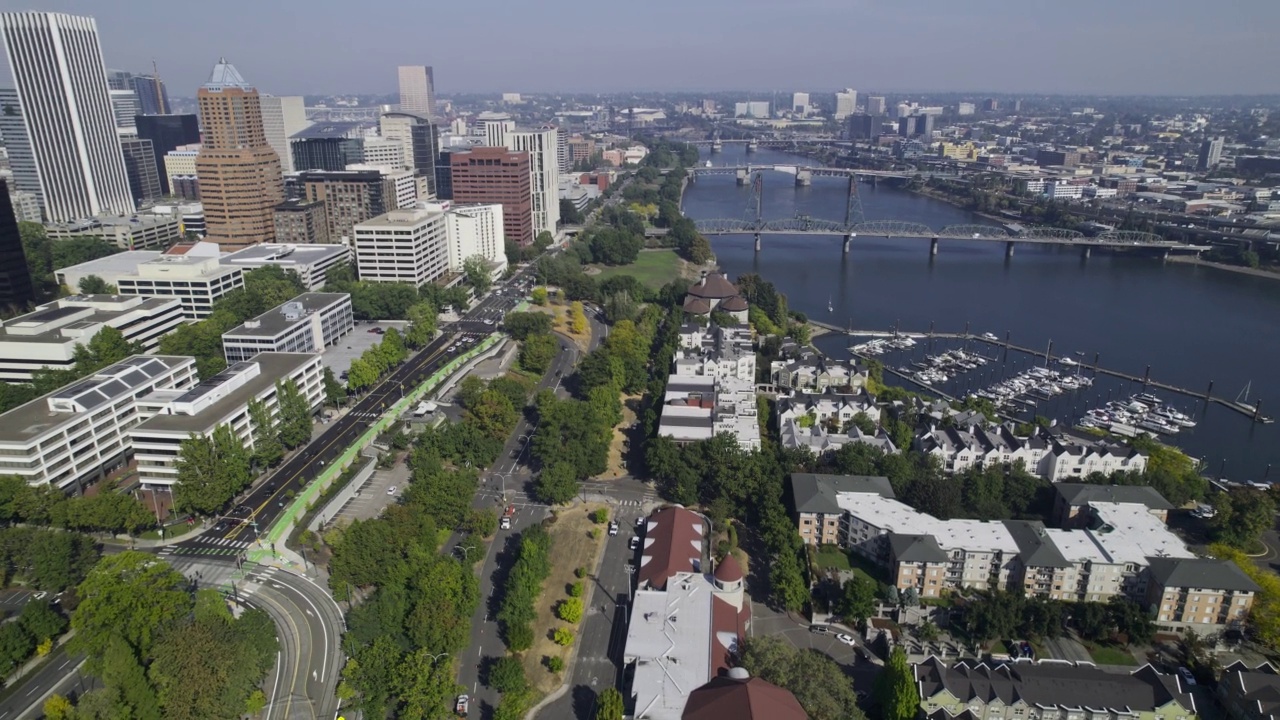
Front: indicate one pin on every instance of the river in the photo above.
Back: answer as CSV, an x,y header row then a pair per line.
x,y
1191,324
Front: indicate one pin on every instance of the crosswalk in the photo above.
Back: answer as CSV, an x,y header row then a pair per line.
x,y
212,546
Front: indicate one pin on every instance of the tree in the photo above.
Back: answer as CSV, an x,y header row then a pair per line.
x,y
422,325
476,271
107,346
570,610
79,249
537,352
132,596
58,707
94,285
538,296
124,676
569,213
41,621
610,705
361,375
786,579
818,683
544,240
506,675
557,484
294,415
267,450
211,470
522,325
858,601
895,689
577,318
1242,516
334,393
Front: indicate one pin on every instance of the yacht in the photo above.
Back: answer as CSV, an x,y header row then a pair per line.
x,y
1067,361
1148,399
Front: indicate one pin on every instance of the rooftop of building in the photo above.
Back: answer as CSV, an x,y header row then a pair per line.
x,y
225,75
742,698
284,254
672,543
1053,684
68,319
817,493
1084,493
330,130
223,394
287,315
69,404
299,205
118,264
88,226
1258,686
1129,533
1204,573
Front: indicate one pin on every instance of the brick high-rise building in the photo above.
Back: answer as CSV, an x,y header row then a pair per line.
x,y
494,175
240,178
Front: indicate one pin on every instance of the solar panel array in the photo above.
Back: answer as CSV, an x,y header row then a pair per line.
x,y
112,382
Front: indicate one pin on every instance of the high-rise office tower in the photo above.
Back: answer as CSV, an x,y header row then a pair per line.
x,y
563,160
125,108
282,118
62,89
13,133
418,90
153,98
420,140
544,174
167,133
488,175
141,169
494,127
15,282
328,146
119,79
876,105
846,103
240,178
1211,153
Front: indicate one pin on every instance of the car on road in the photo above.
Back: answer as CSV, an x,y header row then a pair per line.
x,y
640,521
819,629
507,515
1186,676
846,639
635,543
462,705
220,527
375,330
391,490
613,528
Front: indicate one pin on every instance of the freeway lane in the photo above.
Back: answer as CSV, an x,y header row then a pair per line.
x,y
269,499
61,674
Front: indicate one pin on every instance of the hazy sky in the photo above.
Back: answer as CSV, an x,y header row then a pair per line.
x,y
1029,46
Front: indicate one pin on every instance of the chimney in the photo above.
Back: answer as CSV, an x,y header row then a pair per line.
x,y
703,279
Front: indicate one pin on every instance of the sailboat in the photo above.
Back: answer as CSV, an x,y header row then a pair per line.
x,y
830,307
1242,400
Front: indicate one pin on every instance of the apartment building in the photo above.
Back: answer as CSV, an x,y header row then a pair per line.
x,y
311,262
349,197
48,336
476,231
722,352
1049,453
1250,693
814,498
1072,501
813,373
301,222
221,400
828,408
190,272
309,323
700,407
1056,690
1199,594
77,434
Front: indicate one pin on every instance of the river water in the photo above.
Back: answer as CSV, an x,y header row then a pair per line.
x,y
1191,324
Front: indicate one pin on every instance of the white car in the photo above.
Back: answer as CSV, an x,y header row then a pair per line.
x,y
635,543
462,705
391,490
613,528
846,639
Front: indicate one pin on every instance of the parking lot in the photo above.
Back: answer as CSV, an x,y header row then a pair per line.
x,y
14,599
373,496
352,345
766,621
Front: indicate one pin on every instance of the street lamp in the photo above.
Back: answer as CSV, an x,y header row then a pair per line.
x,y
503,479
436,658
466,551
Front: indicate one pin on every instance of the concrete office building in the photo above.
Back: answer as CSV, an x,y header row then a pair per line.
x,y
187,187
476,230
190,272
489,175
17,144
349,197
300,222
1211,153
494,126
800,103
310,262
417,90
240,177
25,206
66,106
327,146
846,103
544,174
876,105
420,146
282,118
124,108
410,245
140,169
136,232
15,281
383,152
180,162
308,323
168,133
864,127
153,97
48,336
79,433
223,399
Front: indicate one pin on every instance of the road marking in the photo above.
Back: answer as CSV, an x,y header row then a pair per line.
x,y
275,686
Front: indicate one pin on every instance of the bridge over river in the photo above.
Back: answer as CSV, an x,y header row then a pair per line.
x,y
854,224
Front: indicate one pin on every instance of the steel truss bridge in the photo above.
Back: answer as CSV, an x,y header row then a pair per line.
x,y
802,171
855,224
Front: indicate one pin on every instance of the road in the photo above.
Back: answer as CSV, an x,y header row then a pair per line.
x,y
61,673
310,632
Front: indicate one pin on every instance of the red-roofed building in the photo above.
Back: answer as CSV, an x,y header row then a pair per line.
x,y
736,696
672,544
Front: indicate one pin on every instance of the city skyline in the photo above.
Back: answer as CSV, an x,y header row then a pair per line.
x,y
983,46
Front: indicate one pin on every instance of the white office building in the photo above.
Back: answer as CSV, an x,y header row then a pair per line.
x,y
124,109
48,336
181,162
384,152
409,245
800,103
134,232
310,262
417,90
281,118
190,272
846,103
476,230
221,400
79,433
308,323
66,105
17,144
494,127
544,170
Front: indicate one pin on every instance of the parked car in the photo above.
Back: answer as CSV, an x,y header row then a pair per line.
x,y
1186,676
613,528
462,705
391,490
635,543
819,629
846,639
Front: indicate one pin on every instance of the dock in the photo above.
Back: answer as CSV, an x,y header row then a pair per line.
x,y
1253,412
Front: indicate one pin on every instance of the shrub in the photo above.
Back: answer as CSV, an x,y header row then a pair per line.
x,y
576,590
600,516
555,664
563,637
570,610
581,572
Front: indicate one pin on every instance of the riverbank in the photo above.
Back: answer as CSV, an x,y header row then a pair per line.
x,y
1240,269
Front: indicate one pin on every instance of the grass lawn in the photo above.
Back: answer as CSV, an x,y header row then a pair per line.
x,y
654,268
832,557
1108,655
